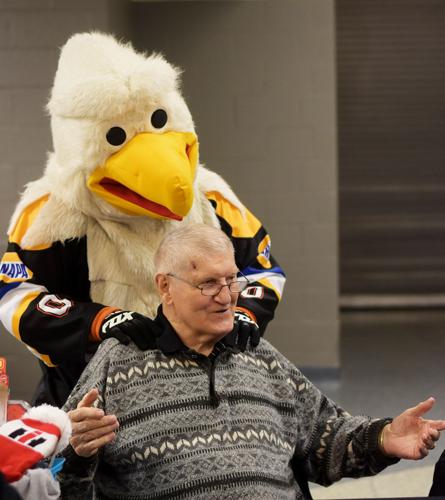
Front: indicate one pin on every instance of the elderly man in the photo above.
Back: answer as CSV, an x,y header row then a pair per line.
x,y
199,419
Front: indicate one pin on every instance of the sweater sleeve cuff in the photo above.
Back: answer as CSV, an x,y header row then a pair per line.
x,y
375,428
75,464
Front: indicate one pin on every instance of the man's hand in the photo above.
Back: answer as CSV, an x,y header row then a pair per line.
x,y
92,429
411,436
126,325
245,329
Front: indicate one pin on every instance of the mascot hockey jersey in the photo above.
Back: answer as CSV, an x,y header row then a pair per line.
x,y
124,171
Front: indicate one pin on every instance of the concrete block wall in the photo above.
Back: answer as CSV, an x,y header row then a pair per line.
x,y
31,32
259,78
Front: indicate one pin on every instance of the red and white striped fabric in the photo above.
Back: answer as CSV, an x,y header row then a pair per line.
x,y
40,433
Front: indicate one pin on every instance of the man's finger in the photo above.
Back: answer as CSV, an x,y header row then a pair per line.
x,y
431,434
421,408
87,425
93,434
89,398
428,441
89,449
437,424
434,434
85,413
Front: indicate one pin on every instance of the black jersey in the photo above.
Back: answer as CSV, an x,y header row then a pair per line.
x,y
45,291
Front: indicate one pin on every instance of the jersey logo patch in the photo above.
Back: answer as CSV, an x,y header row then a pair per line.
x,y
12,269
54,306
117,319
263,256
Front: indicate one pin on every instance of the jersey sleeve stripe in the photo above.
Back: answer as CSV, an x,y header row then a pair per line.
x,y
247,312
7,288
23,305
44,357
275,281
243,226
11,304
254,271
95,327
25,221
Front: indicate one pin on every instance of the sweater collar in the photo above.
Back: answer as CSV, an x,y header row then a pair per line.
x,y
169,342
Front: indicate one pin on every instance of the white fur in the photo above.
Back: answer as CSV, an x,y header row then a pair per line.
x,y
52,415
100,78
101,83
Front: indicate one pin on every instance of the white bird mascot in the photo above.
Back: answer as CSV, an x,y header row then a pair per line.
x,y
124,171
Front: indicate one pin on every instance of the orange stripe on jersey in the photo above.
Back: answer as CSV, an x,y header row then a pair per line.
x,y
247,313
97,322
242,227
25,221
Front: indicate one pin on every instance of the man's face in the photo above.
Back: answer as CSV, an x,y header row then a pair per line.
x,y
200,315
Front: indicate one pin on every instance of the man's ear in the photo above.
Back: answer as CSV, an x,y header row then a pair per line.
x,y
163,286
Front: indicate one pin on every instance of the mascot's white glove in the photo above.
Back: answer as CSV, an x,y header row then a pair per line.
x,y
126,325
246,329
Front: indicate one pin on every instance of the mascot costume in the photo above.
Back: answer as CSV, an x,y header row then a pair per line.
x,y
124,171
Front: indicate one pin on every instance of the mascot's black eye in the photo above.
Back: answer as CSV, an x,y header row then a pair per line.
x,y
116,136
159,118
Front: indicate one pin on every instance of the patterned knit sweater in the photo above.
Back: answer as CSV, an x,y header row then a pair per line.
x,y
225,426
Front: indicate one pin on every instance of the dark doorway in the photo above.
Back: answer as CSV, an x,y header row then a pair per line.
x,y
391,108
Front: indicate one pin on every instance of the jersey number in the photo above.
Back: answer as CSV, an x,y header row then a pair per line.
x,y
54,306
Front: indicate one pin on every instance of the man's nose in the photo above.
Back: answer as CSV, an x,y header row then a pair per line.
x,y
224,295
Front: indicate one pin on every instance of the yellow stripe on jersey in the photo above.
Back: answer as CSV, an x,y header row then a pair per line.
x,y
242,227
24,304
267,283
25,221
44,357
18,313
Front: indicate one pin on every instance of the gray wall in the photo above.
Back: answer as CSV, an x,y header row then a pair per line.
x,y
260,81
31,32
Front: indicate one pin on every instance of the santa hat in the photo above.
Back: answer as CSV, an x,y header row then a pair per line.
x,y
42,432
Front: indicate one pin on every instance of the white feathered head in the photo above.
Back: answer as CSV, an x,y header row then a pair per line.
x,y
124,140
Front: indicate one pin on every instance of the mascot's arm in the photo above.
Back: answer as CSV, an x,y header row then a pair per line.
x,y
44,295
253,258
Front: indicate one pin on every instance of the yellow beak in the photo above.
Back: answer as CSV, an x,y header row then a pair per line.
x,y
152,175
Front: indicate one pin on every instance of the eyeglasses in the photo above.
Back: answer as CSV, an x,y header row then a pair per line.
x,y
212,289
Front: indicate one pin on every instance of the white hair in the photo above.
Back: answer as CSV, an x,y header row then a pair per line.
x,y
180,246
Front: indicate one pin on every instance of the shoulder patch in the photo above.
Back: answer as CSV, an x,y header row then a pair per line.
x,y
12,269
243,225
25,220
